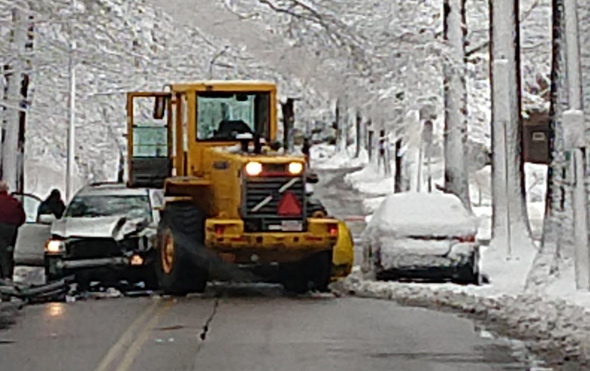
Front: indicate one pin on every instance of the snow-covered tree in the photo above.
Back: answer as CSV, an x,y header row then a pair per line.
x,y
121,45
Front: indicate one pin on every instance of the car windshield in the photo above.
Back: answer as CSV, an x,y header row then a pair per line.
x,y
111,205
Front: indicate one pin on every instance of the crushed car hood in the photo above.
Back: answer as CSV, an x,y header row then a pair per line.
x,y
115,227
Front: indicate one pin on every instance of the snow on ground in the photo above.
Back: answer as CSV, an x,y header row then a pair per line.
x,y
325,156
371,181
555,324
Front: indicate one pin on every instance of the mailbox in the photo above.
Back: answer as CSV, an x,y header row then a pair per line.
x,y
535,137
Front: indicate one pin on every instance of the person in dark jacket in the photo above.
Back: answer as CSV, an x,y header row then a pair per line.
x,y
12,216
52,205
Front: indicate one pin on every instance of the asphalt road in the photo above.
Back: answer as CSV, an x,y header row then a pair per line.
x,y
254,327
248,329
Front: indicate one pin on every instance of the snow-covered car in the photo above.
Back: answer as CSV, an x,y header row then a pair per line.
x,y
108,233
422,235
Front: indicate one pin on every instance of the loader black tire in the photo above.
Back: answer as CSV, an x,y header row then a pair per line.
x,y
313,273
182,229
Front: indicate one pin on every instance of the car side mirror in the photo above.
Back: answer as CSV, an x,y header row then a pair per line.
x,y
47,219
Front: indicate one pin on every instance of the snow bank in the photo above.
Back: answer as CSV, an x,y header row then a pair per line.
x,y
422,214
371,181
324,156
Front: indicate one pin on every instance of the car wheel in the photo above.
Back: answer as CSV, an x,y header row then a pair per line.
x,y
313,273
181,266
469,273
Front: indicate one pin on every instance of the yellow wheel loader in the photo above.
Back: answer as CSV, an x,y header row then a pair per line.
x,y
230,193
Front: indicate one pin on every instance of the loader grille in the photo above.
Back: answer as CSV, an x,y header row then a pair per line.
x,y
268,192
258,189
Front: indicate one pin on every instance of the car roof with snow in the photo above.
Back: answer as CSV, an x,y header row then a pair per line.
x,y
422,214
114,189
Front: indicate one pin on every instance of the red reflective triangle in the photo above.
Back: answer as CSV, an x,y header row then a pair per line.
x,y
289,205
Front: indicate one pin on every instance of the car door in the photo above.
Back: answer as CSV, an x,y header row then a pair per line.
x,y
32,236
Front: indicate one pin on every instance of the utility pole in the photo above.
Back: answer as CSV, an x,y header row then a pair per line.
x,y
72,114
573,122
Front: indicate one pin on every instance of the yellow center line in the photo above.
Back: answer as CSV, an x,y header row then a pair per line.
x,y
126,338
141,338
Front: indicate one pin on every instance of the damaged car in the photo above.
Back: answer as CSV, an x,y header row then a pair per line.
x,y
428,236
107,234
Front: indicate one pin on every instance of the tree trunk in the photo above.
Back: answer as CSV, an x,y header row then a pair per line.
x,y
3,110
370,144
337,124
547,261
288,123
455,136
510,225
10,146
574,126
24,104
359,134
344,131
398,167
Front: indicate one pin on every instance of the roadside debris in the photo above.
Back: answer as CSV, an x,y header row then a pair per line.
x,y
67,290
33,293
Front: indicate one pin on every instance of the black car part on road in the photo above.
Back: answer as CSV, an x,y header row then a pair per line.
x,y
9,289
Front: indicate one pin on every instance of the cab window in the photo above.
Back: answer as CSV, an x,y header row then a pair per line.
x,y
223,116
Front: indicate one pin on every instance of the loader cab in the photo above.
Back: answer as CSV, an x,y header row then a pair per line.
x,y
169,132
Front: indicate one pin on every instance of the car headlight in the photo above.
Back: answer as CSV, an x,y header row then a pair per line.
x,y
55,247
295,168
253,168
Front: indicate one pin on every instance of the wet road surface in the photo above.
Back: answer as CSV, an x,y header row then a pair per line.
x,y
247,329
255,327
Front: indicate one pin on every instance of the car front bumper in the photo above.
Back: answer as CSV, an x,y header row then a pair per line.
x,y
91,263
59,265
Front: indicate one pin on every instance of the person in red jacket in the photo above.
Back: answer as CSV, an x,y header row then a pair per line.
x,y
12,216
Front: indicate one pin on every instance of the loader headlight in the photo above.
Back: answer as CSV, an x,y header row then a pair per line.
x,y
253,168
55,247
295,168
